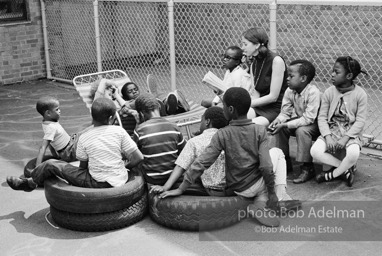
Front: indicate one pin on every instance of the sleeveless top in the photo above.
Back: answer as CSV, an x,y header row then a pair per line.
x,y
263,86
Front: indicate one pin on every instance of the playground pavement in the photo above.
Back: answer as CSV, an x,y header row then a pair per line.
x,y
25,230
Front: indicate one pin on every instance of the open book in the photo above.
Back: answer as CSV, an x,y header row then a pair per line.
x,y
215,83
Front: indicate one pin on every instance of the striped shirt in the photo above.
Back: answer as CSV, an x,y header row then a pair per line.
x,y
160,143
104,147
55,133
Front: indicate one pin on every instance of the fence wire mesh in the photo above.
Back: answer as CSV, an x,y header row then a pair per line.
x,y
134,37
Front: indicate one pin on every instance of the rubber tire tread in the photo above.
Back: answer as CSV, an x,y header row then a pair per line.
x,y
195,213
101,221
65,197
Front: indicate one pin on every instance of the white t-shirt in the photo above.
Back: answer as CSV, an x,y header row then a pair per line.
x,y
54,132
103,148
237,78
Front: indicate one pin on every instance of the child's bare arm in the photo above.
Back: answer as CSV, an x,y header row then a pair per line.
x,y
134,159
176,173
41,152
53,151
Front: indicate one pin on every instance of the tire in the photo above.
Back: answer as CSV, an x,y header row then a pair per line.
x,y
65,197
196,213
101,221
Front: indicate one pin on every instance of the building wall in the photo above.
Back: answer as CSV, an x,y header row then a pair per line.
x,y
22,55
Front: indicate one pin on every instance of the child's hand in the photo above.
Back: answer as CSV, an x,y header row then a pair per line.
x,y
174,192
341,143
330,144
272,201
157,189
135,114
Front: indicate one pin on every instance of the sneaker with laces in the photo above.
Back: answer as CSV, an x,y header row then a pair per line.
x,y
17,183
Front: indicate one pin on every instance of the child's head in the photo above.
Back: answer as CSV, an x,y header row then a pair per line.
x,y
103,110
345,70
300,74
147,104
130,91
232,57
236,101
213,116
255,42
49,108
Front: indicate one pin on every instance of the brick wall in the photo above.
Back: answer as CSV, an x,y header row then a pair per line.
x,y
22,55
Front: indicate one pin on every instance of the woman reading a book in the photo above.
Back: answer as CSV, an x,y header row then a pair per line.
x,y
268,76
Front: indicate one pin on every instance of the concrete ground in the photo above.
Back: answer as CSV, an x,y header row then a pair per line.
x,y
23,216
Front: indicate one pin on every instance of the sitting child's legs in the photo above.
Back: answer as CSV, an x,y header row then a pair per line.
x,y
319,154
260,120
279,169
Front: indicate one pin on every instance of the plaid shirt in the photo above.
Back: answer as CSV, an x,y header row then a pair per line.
x,y
213,177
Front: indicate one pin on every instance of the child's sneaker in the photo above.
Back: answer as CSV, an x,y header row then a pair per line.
x,y
182,101
152,85
171,103
21,184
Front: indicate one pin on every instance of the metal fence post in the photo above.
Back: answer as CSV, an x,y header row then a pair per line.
x,y
273,26
46,43
97,36
170,5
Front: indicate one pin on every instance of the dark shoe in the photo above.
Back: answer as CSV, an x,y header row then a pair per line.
x,y
306,174
289,165
171,104
349,176
20,184
264,217
289,205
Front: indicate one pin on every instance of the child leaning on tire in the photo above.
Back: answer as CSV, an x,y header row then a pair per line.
x,y
248,164
101,151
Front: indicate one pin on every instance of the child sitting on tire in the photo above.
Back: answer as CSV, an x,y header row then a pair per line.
x,y
248,164
101,151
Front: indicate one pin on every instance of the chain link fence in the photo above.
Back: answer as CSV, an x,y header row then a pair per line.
x,y
135,37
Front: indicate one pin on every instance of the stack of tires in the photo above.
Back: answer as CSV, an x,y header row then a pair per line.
x,y
91,209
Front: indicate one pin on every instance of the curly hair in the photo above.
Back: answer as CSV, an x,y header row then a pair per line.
x,y
216,115
238,98
306,68
45,103
146,103
124,92
102,109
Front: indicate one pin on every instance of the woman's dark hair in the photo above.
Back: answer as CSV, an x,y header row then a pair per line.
x,y
351,66
258,35
238,98
216,115
124,92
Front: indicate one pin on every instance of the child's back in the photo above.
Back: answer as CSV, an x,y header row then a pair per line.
x,y
102,147
159,141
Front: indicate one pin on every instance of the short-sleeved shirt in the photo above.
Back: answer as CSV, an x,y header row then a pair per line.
x,y
160,142
55,133
214,176
104,148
